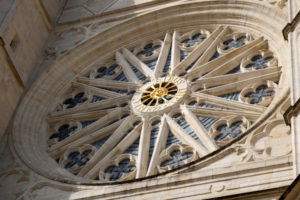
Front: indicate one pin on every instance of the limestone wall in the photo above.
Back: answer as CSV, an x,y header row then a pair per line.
x,y
24,29
259,165
11,89
82,9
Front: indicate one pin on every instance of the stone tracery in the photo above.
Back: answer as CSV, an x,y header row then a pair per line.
x,y
213,67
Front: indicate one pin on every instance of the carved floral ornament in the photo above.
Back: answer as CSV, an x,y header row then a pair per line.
x,y
161,104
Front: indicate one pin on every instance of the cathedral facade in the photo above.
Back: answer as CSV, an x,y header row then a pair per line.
x,y
157,99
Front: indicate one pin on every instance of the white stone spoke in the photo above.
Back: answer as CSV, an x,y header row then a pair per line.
x,y
96,91
185,138
106,83
84,135
163,55
175,51
208,46
229,78
78,116
129,73
225,103
87,107
140,65
105,154
159,146
234,62
219,113
143,155
239,85
199,129
227,60
211,50
88,138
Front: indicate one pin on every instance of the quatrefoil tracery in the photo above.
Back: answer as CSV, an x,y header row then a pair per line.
x,y
75,158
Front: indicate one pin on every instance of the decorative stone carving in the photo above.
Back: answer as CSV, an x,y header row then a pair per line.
x,y
14,183
75,158
120,169
264,144
176,156
259,93
279,3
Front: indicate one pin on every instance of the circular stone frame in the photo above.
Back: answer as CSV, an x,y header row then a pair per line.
x,y
30,120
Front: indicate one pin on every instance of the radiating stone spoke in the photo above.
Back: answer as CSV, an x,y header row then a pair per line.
x,y
228,61
225,103
97,91
185,138
89,138
140,65
207,46
221,113
143,155
106,83
239,85
163,55
175,50
78,116
159,146
99,127
105,104
199,129
129,73
106,153
229,78
234,62
211,50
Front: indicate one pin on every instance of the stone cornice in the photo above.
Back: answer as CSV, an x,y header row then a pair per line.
x,y
290,27
291,111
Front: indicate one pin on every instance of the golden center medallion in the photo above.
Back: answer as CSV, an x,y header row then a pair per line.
x,y
159,95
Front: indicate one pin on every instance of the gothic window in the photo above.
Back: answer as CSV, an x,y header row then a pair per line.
x,y
162,104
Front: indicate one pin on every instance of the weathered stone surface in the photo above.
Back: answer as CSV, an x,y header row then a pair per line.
x,y
94,34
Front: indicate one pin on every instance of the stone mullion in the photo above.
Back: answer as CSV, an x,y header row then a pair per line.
x,y
92,106
140,65
214,40
236,60
143,154
129,73
209,66
92,167
205,46
98,134
185,138
222,102
97,91
163,55
98,129
79,116
159,146
229,78
175,50
239,85
198,128
219,113
111,84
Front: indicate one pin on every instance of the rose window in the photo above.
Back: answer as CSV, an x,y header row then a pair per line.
x,y
162,104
